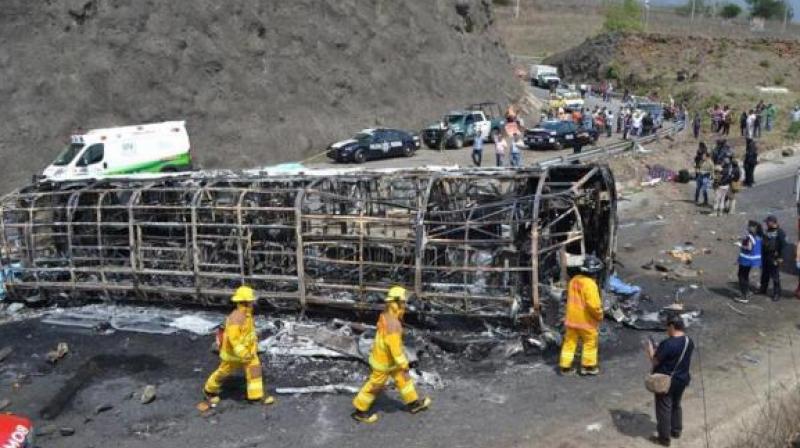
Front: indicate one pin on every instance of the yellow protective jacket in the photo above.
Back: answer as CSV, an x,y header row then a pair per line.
x,y
584,306
240,342
387,351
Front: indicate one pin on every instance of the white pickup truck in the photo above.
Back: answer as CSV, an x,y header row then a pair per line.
x,y
544,75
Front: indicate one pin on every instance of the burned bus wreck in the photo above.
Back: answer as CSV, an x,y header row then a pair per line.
x,y
466,242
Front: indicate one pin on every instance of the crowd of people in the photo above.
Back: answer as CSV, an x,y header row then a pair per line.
x,y
721,171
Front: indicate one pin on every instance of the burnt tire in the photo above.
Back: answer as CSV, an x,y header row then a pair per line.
x,y
359,156
408,151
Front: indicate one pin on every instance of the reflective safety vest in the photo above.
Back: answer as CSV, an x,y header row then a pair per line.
x,y
239,342
752,257
584,306
388,353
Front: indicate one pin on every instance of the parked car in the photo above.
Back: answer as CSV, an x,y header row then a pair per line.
x,y
559,135
461,127
15,432
371,144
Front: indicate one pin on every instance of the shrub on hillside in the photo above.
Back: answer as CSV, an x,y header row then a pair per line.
x,y
730,11
624,16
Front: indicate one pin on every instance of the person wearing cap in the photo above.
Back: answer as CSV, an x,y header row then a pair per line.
x,y
583,317
238,350
388,359
772,257
673,357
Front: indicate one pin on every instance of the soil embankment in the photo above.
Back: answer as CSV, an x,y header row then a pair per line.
x,y
258,82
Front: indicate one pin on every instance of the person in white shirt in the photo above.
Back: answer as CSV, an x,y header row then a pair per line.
x,y
500,147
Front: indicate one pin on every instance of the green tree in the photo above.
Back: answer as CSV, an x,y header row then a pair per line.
x,y
730,11
624,16
768,9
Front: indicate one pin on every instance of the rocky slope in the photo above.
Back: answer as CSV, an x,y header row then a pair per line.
x,y
259,82
692,68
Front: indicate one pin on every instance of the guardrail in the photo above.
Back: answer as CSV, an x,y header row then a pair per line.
x,y
614,148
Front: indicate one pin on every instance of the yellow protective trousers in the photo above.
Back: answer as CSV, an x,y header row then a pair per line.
x,y
570,344
252,372
377,381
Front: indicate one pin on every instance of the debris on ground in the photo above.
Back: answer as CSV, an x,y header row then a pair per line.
x,y
5,352
135,319
67,431
594,427
326,389
148,394
683,254
61,350
309,340
432,379
14,308
103,408
46,430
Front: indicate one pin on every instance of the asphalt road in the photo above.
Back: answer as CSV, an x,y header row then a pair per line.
x,y
462,157
486,403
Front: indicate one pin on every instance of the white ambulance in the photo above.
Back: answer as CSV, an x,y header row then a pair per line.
x,y
148,148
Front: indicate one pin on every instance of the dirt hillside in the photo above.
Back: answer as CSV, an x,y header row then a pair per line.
x,y
259,82
694,69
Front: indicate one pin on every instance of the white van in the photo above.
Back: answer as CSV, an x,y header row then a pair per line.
x,y
147,148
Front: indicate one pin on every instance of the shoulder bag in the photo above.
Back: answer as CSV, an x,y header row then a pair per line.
x,y
659,383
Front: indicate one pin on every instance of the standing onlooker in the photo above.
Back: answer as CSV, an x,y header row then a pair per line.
x,y
477,147
648,125
587,119
627,125
757,124
620,120
500,147
743,123
772,257
749,258
750,162
736,186
637,124
727,119
673,357
515,154
609,121
769,116
696,125
703,179
796,114
723,186
751,125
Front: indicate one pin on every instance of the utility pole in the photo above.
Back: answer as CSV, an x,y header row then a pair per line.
x,y
786,9
693,7
516,10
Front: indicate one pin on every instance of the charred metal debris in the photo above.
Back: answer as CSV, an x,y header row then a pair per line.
x,y
477,242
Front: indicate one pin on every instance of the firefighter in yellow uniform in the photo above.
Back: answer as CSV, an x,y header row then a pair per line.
x,y
584,314
239,351
388,359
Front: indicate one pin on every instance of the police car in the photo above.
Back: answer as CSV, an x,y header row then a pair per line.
x,y
370,144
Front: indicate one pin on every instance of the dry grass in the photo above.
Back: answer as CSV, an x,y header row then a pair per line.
x,y
545,27
776,427
542,31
